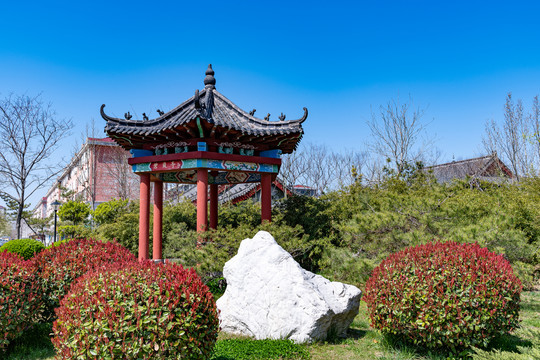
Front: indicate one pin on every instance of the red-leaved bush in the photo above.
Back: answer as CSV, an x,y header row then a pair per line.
x,y
19,296
137,311
444,295
59,266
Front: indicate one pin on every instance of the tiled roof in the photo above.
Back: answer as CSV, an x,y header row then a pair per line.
x,y
222,119
480,167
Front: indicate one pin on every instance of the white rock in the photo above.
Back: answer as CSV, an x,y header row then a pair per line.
x,y
269,296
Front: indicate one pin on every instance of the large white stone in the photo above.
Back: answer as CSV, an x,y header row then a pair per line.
x,y
269,296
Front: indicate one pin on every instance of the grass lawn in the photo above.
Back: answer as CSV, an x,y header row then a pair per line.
x,y
362,343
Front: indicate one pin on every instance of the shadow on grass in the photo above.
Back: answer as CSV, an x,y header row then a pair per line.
x,y
508,343
505,343
34,343
398,344
532,307
352,334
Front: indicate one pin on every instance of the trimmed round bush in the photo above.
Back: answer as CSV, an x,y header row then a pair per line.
x,y
19,296
448,295
59,266
26,248
137,311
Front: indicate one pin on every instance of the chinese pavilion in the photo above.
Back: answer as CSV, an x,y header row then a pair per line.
x,y
209,141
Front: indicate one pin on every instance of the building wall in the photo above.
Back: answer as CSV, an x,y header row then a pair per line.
x,y
97,173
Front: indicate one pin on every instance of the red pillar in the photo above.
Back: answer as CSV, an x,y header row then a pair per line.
x,y
158,220
202,200
144,216
266,197
213,204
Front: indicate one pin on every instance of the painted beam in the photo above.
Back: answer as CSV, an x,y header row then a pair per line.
x,y
187,164
204,155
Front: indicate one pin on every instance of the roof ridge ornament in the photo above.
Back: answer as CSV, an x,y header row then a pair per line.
x,y
209,80
208,104
197,100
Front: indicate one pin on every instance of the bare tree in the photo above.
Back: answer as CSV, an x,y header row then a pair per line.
x,y
395,131
534,119
316,166
118,169
293,168
320,173
510,139
343,164
29,134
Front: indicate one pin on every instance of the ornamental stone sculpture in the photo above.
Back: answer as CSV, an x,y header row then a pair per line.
x,y
269,296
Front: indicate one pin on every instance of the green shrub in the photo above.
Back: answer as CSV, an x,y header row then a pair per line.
x,y
137,311
218,246
125,231
309,212
182,212
73,232
338,264
245,349
59,266
19,296
444,295
245,213
109,211
26,248
216,283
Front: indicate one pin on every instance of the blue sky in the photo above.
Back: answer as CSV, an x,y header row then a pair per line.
x,y
339,59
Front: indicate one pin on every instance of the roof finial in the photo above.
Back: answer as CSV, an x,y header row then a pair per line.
x,y
209,80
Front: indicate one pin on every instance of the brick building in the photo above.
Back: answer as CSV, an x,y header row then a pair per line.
x,y
98,173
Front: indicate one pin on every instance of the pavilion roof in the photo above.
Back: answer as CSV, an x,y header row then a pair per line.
x,y
219,119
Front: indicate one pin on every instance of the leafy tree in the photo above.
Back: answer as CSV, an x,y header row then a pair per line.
x,y
29,135
4,224
26,216
74,211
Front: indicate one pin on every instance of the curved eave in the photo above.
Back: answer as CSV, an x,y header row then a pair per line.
x,y
150,122
258,121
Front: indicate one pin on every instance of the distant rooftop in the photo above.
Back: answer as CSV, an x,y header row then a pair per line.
x,y
484,167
